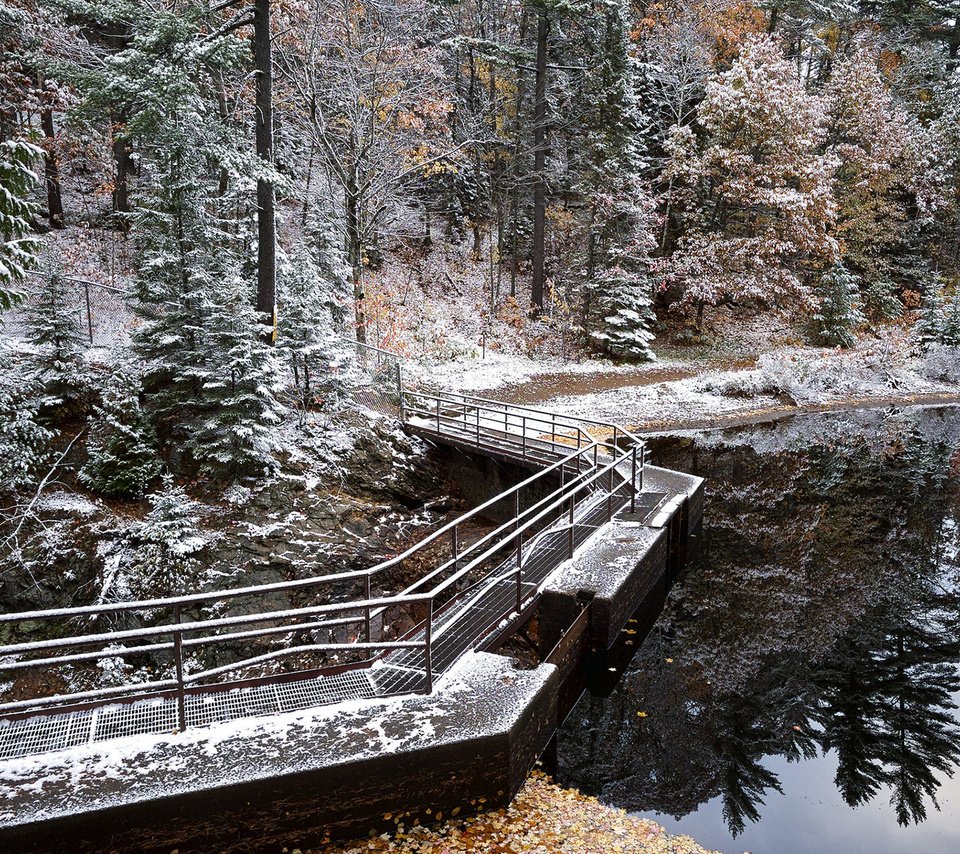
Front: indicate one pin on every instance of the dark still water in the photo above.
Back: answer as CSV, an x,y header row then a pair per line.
x,y
799,692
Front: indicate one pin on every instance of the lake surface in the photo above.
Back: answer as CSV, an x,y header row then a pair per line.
x,y
799,692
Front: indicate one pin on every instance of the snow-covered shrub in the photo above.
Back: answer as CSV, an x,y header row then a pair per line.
x,y
165,545
113,671
807,377
753,383
838,314
122,445
810,378
54,330
942,362
24,441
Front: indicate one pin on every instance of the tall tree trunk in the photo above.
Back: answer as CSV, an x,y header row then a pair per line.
x,y
122,149
954,46
51,170
354,247
266,212
223,183
539,163
517,150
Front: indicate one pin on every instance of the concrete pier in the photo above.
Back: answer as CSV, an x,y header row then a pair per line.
x,y
298,779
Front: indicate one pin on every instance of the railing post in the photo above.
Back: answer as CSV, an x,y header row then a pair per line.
x,y
633,480
578,450
519,571
595,449
86,288
436,403
573,502
428,646
366,610
610,492
400,391
178,663
553,428
523,434
478,426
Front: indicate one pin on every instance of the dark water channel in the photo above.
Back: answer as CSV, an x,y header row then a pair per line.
x,y
799,692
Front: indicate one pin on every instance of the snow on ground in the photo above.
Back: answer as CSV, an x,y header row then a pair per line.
x,y
791,377
500,369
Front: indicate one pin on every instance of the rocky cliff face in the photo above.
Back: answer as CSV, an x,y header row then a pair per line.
x,y
343,495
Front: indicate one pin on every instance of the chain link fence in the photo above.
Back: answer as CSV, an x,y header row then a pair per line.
x,y
102,314
378,375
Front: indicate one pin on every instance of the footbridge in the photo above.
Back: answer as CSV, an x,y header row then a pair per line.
x,y
587,535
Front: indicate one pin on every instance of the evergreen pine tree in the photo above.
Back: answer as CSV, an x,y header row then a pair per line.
x,y
619,309
950,333
24,441
839,313
305,322
881,301
209,376
185,252
54,329
240,375
165,545
123,456
315,288
622,303
932,319
18,253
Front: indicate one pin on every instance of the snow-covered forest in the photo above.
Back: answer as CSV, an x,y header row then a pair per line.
x,y
202,204
231,229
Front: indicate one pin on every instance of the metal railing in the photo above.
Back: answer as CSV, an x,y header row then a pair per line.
x,y
185,645
492,426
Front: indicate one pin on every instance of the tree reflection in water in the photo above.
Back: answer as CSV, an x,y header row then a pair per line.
x,y
823,614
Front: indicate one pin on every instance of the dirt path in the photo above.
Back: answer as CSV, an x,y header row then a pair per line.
x,y
746,417
541,388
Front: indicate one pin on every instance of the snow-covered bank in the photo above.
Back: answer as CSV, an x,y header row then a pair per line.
x,y
788,379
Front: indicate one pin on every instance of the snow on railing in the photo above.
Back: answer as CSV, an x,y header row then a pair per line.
x,y
599,467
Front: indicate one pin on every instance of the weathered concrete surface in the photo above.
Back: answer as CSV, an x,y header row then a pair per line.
x,y
629,566
686,487
616,572
292,780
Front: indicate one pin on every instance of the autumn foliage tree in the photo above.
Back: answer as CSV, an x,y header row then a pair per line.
x,y
752,187
879,151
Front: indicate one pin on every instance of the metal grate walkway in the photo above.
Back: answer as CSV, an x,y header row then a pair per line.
x,y
493,595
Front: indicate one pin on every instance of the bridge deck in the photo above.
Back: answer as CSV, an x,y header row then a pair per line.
x,y
488,609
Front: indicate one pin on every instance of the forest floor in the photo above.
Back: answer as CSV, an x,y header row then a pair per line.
x,y
543,817
693,387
